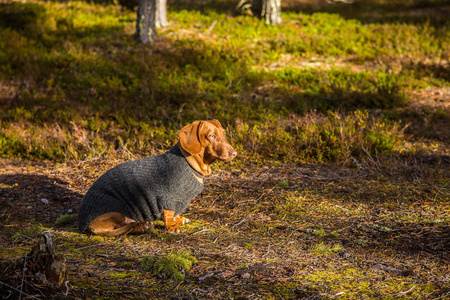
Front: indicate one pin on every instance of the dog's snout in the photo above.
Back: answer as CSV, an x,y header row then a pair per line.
x,y
233,154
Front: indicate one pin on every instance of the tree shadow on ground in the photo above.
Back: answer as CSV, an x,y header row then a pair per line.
x,y
424,123
134,83
223,6
409,239
35,198
396,217
439,70
375,11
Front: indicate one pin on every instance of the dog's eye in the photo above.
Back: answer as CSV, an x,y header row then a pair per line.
x,y
212,136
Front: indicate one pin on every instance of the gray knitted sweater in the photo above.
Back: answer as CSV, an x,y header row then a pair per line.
x,y
142,188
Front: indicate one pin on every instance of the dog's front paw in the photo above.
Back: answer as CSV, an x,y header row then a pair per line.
x,y
181,220
173,228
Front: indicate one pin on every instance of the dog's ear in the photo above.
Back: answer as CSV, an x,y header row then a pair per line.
x,y
190,138
215,123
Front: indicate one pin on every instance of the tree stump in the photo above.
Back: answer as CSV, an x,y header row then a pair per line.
x,y
43,262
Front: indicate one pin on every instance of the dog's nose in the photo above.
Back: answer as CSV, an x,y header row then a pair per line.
x,y
233,154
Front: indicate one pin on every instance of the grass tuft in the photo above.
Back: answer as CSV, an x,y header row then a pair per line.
x,y
322,249
64,220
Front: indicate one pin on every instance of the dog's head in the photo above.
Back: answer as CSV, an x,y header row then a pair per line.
x,y
207,139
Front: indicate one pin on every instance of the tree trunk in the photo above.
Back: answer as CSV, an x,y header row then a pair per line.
x,y
270,10
161,13
146,22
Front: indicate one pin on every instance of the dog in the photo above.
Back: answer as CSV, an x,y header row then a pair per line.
x,y
129,196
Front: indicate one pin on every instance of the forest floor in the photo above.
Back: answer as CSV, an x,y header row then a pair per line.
x,y
284,231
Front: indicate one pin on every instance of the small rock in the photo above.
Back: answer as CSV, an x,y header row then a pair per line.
x,y
205,276
44,200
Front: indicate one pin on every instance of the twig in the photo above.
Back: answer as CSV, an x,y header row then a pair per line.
x,y
265,194
169,118
439,191
370,158
32,286
270,246
205,276
88,246
18,291
405,292
442,297
239,223
203,230
343,1
67,288
124,147
23,276
356,162
212,26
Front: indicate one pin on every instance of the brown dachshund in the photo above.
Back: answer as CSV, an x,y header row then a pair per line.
x,y
126,198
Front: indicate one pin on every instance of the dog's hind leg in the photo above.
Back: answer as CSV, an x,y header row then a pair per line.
x,y
114,224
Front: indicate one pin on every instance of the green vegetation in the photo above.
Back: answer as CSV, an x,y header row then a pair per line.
x,y
64,220
173,264
340,116
121,275
322,249
82,88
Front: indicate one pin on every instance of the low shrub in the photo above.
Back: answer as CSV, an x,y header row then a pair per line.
x,y
328,137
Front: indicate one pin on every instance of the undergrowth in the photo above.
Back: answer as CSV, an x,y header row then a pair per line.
x,y
325,137
75,85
